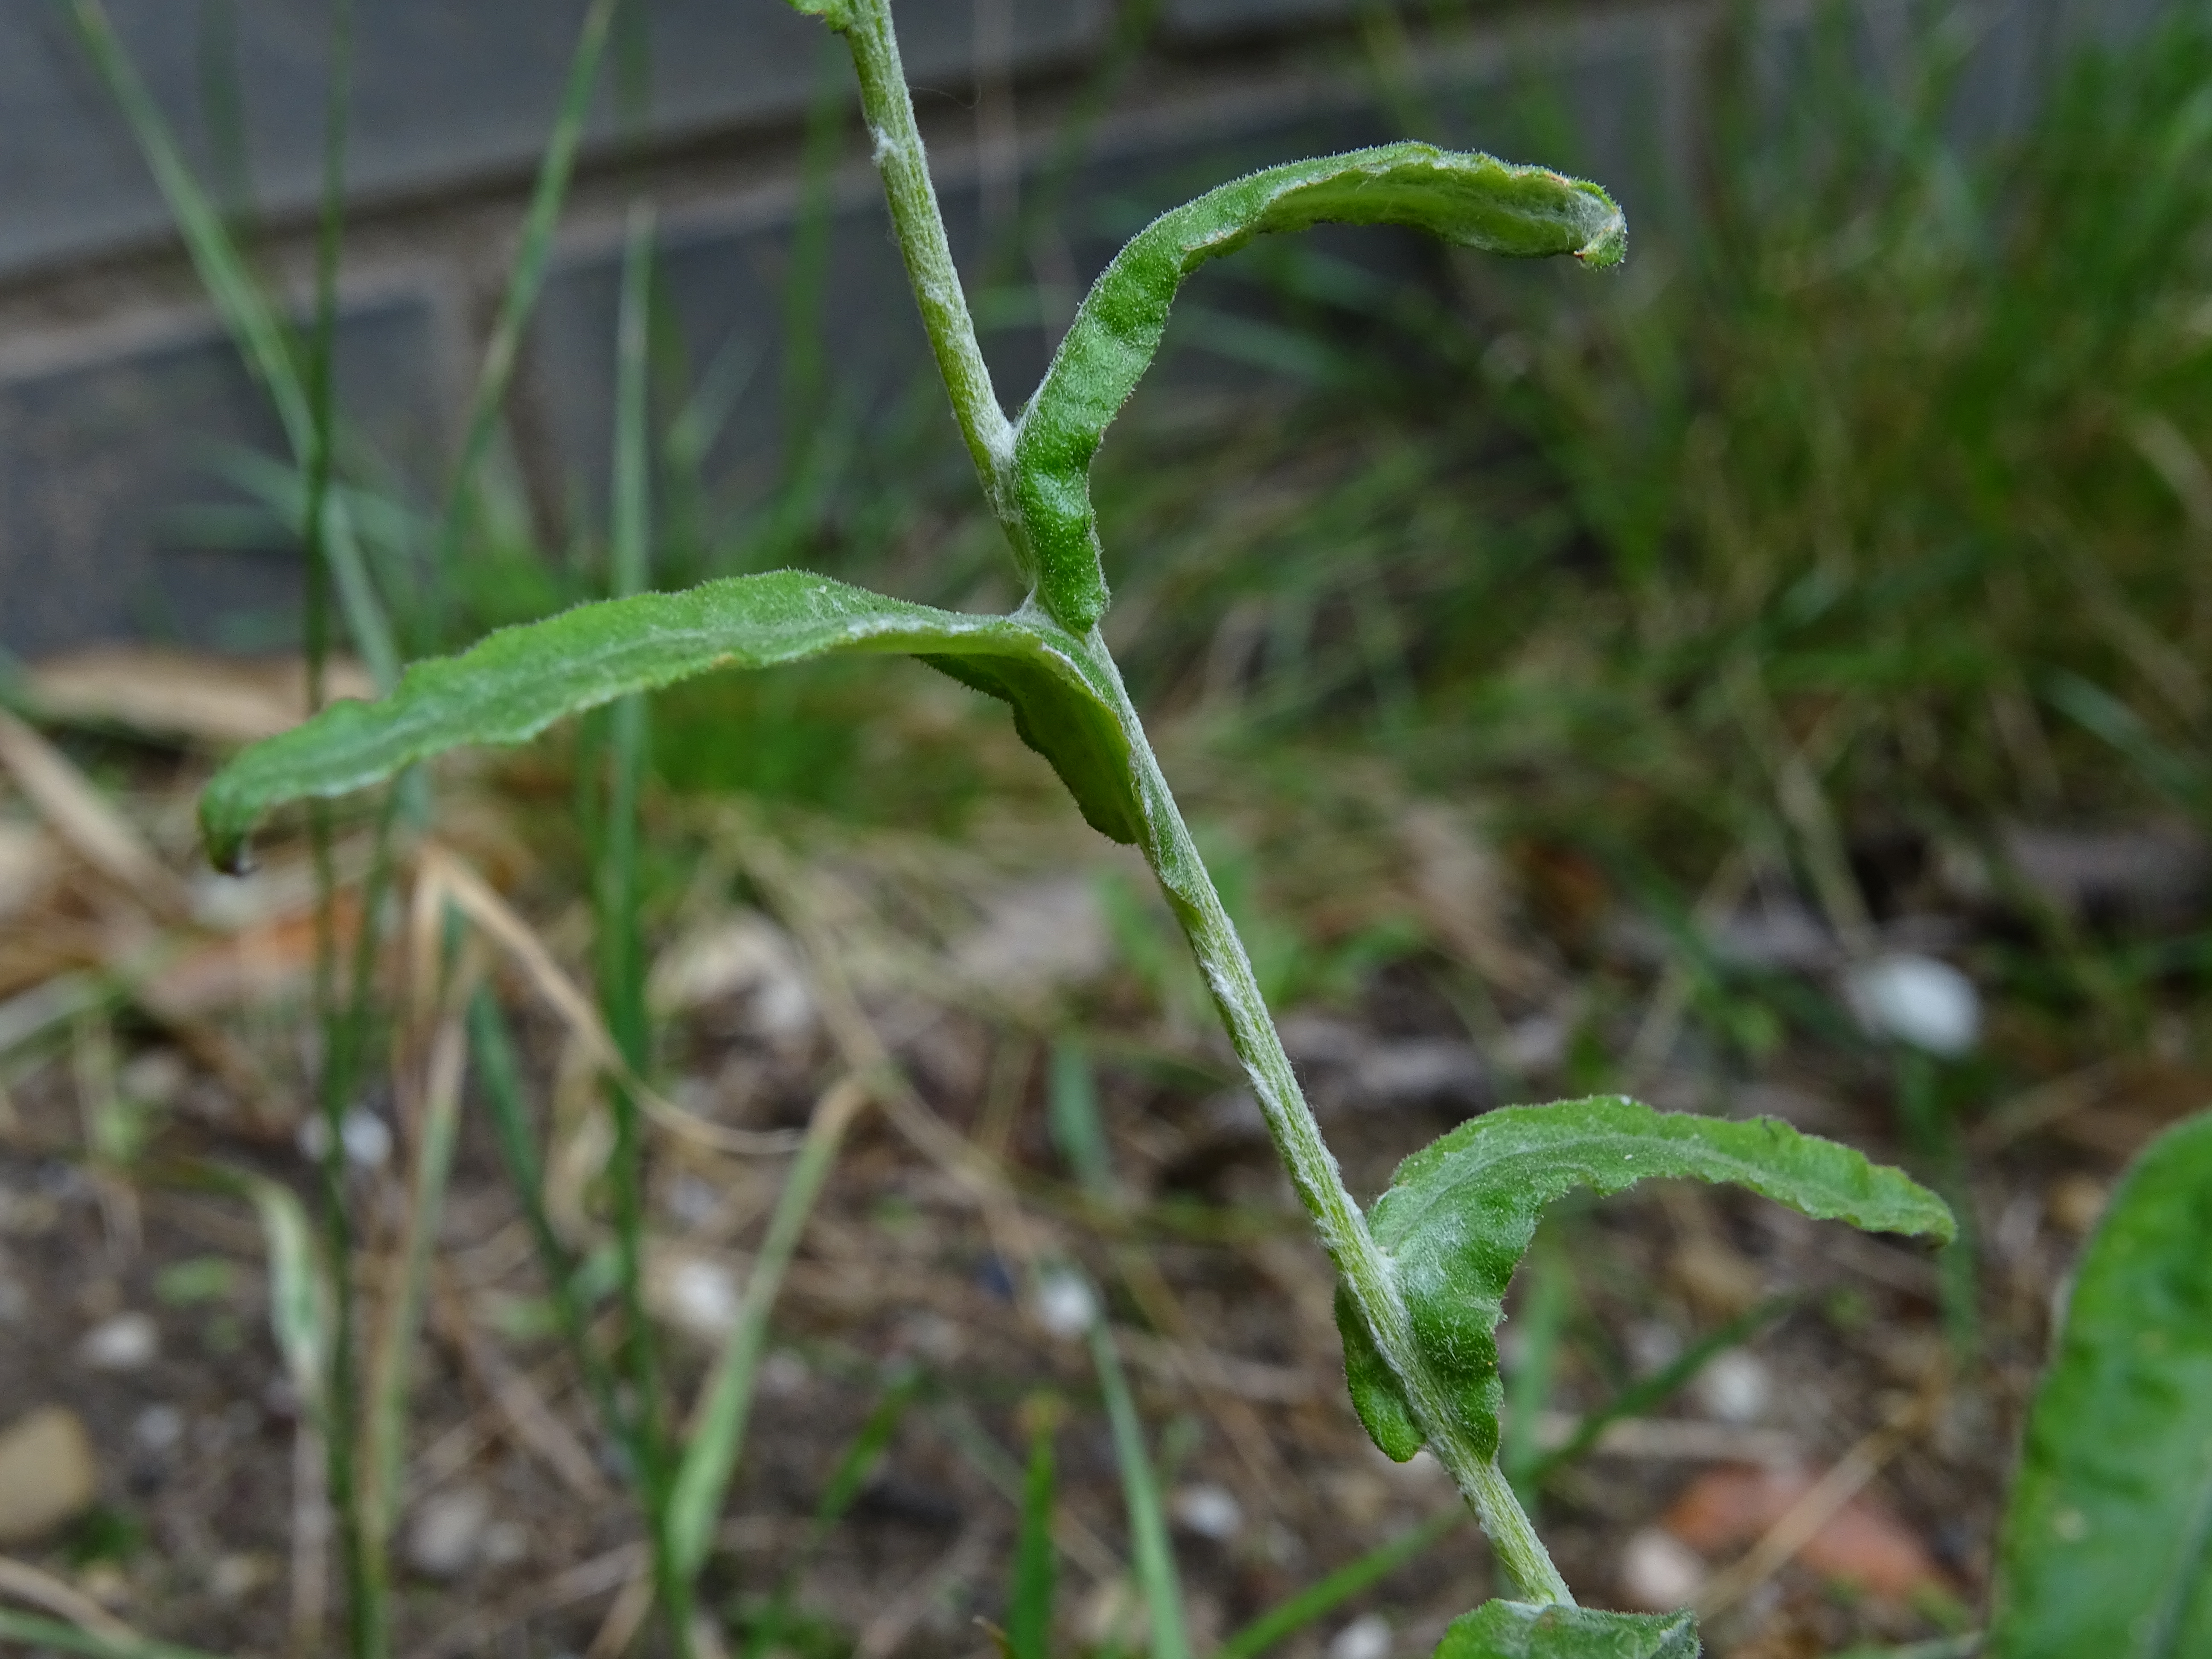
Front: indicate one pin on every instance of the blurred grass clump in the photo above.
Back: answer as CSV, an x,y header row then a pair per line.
x,y
1886,466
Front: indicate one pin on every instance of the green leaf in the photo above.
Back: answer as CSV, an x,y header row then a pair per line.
x,y
837,13
1459,1213
2106,1546
1513,1630
515,682
1474,200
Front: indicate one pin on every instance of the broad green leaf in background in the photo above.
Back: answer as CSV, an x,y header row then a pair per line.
x,y
1515,1630
1459,1213
513,683
2106,1546
1471,200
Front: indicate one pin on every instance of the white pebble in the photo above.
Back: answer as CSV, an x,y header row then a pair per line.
x,y
1659,1573
1735,1387
447,1531
1367,1637
365,1137
1209,1510
128,1342
702,1297
1916,1001
158,1427
1064,1305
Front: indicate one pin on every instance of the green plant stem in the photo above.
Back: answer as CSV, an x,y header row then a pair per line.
x,y
1360,1263
1362,1266
888,109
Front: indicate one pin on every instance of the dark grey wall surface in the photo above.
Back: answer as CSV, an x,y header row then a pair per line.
x,y
121,406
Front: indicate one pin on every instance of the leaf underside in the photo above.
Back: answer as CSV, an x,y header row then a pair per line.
x,y
1464,197
1515,1630
513,683
1459,1213
2106,1546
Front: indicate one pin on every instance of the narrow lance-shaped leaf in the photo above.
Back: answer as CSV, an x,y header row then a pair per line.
x,y
1474,200
1515,1630
1459,1213
514,683
2107,1547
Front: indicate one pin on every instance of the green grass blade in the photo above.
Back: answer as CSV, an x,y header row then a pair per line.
x,y
514,683
1459,1216
1029,1609
527,277
1071,1113
252,320
1331,1591
718,1428
1151,1553
34,1632
502,1078
1474,200
855,1466
2106,1545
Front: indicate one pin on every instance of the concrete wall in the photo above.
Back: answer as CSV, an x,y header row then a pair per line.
x,y
121,405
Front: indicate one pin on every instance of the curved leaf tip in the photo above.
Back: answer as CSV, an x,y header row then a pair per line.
x,y
1460,1214
1464,197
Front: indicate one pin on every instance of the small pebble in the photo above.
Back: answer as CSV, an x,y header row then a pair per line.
x,y
784,1374
1735,1387
365,1137
158,1428
126,1342
2075,1201
1659,1573
1916,1001
46,1473
1367,1637
1064,1305
448,1531
1208,1511
700,1296
236,1577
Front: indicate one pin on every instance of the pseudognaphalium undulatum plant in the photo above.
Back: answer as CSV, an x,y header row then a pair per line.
x,y
1421,1275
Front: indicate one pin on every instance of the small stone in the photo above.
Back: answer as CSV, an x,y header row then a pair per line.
x,y
1916,1001
1367,1637
365,1137
1208,1511
1659,1573
46,1473
158,1428
1735,1387
236,1577
505,1542
2075,1201
1064,1305
124,1342
448,1531
696,1294
783,1375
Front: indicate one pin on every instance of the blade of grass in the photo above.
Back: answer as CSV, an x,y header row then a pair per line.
x,y
844,1485
1151,1553
527,276
1028,1611
247,313
52,1633
620,934
718,1425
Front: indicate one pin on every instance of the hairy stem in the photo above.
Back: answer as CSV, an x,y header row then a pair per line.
x,y
888,109
1366,1271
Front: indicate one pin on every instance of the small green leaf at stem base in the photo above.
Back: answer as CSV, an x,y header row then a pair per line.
x,y
512,685
837,13
1459,1216
2106,1545
1515,1630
